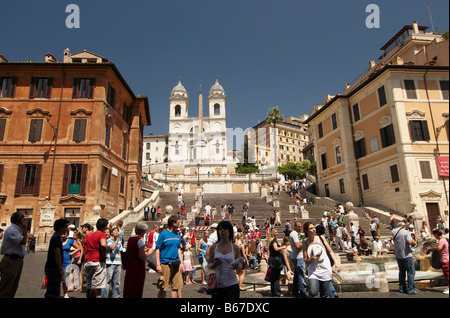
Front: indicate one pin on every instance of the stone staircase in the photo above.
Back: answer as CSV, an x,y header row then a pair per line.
x,y
259,208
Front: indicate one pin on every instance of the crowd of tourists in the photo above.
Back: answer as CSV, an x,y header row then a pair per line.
x,y
93,259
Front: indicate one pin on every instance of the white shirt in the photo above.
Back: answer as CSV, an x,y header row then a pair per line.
x,y
12,237
208,209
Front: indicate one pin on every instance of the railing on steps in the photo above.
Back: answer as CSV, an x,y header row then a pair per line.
x,y
130,216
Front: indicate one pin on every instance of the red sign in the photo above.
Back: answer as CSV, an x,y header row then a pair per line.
x,y
442,165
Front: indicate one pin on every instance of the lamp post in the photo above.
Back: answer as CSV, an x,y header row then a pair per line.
x,y
131,197
198,174
149,163
166,174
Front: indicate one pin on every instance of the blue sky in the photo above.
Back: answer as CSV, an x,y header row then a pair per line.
x,y
265,53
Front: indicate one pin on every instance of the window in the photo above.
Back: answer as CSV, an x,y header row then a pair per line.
x,y
425,169
108,135
8,86
323,158
394,174
147,145
360,148
28,179
177,111
35,130
124,148
111,97
382,96
79,130
2,128
320,130
410,89
105,178
216,109
418,130
356,115
83,88
341,186
127,114
334,121
74,180
327,190
444,89
338,154
365,181
387,136
122,185
40,87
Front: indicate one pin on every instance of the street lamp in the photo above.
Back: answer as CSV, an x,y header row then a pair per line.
x,y
198,174
131,197
166,174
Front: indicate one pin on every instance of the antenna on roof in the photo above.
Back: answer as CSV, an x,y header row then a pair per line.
x,y
431,18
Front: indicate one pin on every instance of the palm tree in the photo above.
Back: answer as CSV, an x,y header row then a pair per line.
x,y
275,116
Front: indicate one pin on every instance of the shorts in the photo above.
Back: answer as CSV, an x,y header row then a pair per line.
x,y
169,277
95,275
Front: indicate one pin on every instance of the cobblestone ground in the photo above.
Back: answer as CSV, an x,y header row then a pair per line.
x,y
33,271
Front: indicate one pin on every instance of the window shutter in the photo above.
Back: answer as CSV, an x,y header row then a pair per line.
x,y
65,185
32,87
49,88
19,179
91,88
84,169
37,180
76,130
2,128
426,133
35,130
32,130
425,169
82,130
109,178
13,87
76,83
1,174
411,130
79,130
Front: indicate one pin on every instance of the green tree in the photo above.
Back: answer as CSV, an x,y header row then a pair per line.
x,y
297,170
246,161
274,117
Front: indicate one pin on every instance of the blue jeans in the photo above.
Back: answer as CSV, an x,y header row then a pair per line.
x,y
316,286
112,275
406,269
298,283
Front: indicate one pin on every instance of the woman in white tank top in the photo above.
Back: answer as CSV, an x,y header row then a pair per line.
x,y
224,259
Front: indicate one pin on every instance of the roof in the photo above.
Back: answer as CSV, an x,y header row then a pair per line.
x,y
406,27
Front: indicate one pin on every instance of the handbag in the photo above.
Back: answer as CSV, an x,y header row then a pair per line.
x,y
44,282
268,275
213,283
328,253
436,260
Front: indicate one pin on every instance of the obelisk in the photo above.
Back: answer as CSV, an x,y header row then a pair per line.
x,y
200,112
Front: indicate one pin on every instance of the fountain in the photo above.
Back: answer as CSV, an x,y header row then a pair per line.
x,y
374,272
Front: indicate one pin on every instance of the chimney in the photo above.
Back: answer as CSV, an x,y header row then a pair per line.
x,y
66,56
415,27
399,60
49,58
